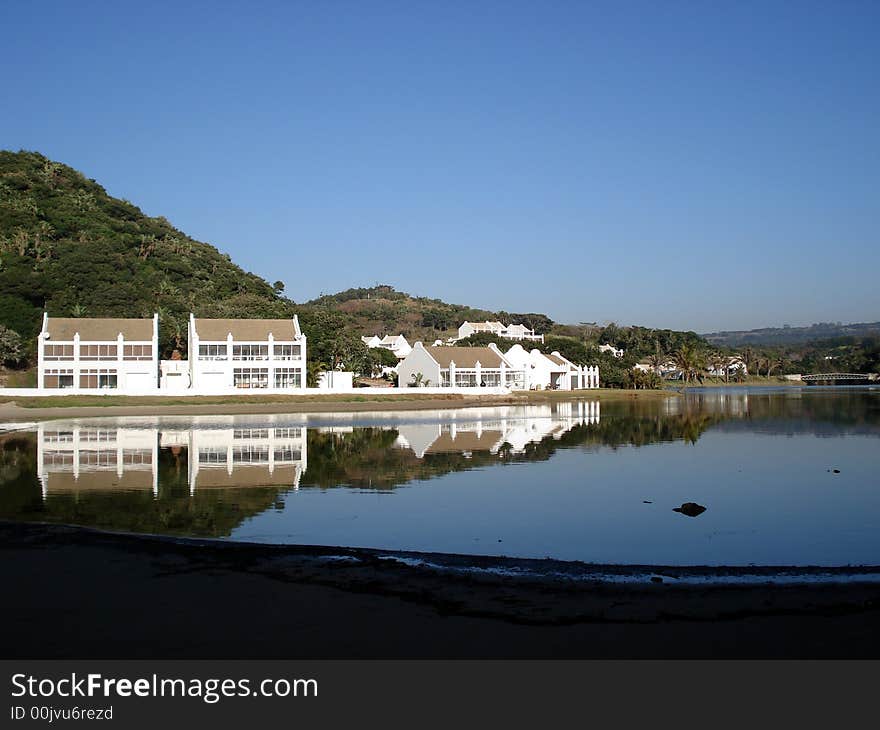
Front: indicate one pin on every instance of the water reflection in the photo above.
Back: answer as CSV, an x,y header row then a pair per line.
x,y
582,487
88,459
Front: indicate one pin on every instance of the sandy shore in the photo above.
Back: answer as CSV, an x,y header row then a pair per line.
x,y
72,592
40,409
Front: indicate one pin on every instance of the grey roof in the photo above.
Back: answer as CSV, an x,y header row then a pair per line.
x,y
95,329
465,357
246,330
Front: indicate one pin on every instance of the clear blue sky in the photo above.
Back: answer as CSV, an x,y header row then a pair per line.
x,y
692,165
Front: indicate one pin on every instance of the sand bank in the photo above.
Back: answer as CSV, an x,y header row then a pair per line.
x,y
73,592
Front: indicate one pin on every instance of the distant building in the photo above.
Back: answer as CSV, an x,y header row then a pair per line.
x,y
510,332
395,343
98,354
612,349
246,354
459,367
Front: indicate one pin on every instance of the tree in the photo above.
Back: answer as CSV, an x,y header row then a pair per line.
x,y
10,346
690,361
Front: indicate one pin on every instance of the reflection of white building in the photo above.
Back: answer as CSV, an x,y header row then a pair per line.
x,y
74,459
552,371
490,431
242,455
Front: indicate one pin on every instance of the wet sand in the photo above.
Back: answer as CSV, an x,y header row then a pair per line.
x,y
80,593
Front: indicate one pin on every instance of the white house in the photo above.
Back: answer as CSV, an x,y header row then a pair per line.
x,y
510,332
612,349
261,354
551,371
89,354
461,367
395,343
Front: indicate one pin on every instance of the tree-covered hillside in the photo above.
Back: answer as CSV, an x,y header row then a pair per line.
x,y
382,309
68,246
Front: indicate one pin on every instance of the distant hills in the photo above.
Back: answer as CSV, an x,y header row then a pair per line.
x,y
774,336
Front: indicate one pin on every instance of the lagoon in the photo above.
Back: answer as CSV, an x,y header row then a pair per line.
x,y
788,476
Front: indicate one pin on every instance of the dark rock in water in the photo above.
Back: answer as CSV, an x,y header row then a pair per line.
x,y
836,471
656,579
645,501
691,509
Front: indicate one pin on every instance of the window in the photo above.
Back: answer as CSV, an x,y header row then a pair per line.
x,y
137,352
58,352
98,458
58,437
212,455
212,352
97,352
97,378
288,433
56,378
250,454
287,378
288,352
287,453
250,433
250,352
466,379
250,377
491,379
137,457
98,435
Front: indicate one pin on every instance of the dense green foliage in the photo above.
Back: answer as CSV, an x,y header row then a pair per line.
x,y
68,246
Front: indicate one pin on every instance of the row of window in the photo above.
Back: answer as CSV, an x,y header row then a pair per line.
x,y
259,378
90,378
250,352
248,455
98,352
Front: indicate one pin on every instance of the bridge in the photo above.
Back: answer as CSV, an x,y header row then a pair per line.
x,y
851,378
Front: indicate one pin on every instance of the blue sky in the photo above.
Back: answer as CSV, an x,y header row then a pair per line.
x,y
691,165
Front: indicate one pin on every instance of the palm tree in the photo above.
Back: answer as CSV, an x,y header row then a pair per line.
x,y
657,359
748,358
718,361
689,361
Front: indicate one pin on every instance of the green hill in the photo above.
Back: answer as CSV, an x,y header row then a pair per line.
x,y
68,246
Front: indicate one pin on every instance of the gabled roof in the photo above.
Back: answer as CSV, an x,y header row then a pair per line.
x,y
558,360
247,330
98,329
466,357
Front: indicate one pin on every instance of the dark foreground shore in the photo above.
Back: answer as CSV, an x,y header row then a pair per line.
x,y
78,593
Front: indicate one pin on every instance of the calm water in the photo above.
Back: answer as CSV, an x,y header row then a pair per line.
x,y
566,480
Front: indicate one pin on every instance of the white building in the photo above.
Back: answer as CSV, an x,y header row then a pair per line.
x,y
86,354
510,332
612,349
250,354
553,371
461,367
395,343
